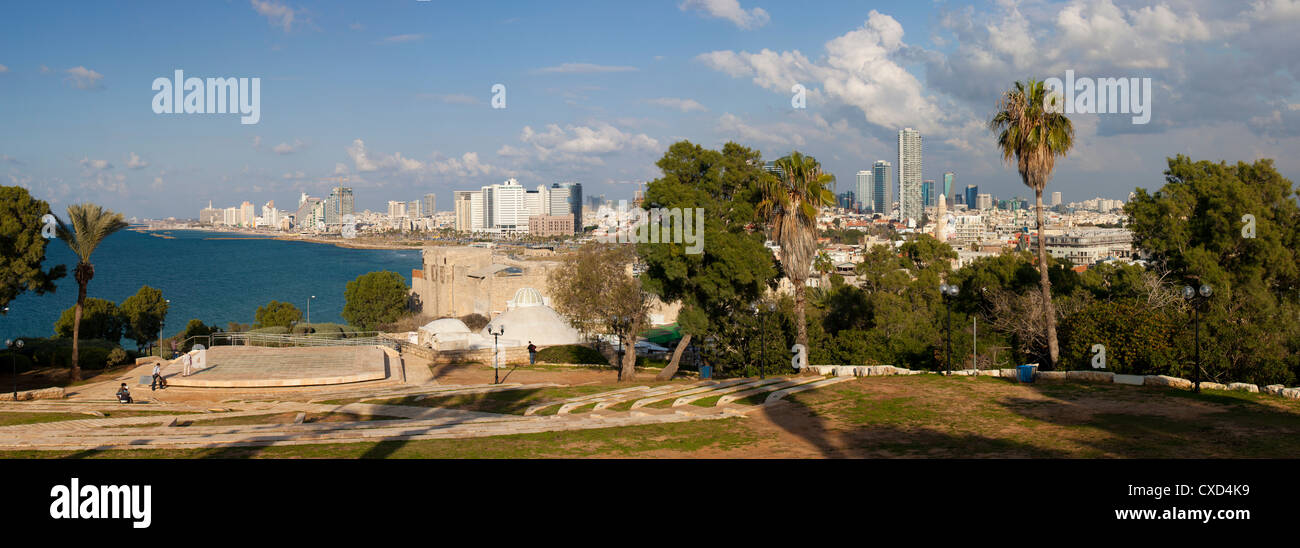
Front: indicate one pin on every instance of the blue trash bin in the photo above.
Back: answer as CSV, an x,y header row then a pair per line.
x,y
706,371
1026,372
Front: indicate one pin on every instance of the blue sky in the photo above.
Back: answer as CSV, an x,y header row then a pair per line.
x,y
394,97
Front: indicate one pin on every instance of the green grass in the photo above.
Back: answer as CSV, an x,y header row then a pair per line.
x,y
629,441
20,417
513,402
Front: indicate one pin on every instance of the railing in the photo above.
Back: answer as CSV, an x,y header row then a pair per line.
x,y
372,338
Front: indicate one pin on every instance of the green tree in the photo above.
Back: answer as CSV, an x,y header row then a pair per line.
x,y
1035,135
100,319
790,205
87,227
594,291
1138,340
22,247
143,314
195,328
735,267
276,313
1192,228
375,298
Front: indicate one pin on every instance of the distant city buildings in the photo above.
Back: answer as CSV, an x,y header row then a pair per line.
x,y
1056,199
948,178
863,194
927,192
882,199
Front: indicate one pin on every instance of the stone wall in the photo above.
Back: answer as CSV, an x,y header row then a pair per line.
x,y
54,393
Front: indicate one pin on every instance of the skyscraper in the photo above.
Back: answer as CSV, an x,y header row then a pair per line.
x,y
340,203
572,193
881,187
461,200
909,174
430,205
971,192
863,194
504,208
948,178
1056,199
927,192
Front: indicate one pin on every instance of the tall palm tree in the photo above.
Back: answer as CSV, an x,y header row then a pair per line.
x,y
1030,126
790,204
90,224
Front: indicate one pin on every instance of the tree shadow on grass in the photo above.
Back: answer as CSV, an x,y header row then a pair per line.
x,y
886,440
1147,422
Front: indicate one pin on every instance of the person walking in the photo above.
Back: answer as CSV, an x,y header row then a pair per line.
x,y
157,377
532,353
186,359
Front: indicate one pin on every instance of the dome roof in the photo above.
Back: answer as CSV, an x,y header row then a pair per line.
x,y
539,324
527,296
445,326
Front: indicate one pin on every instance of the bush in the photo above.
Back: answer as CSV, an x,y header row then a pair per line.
x,y
475,322
571,353
272,330
375,298
277,314
100,319
1138,340
117,356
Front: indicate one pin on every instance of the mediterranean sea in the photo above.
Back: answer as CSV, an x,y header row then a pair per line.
x,y
212,276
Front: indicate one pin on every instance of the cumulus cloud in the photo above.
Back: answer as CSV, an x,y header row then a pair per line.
x,y
276,13
729,10
84,78
582,68
468,165
134,162
286,148
365,162
101,165
576,144
684,105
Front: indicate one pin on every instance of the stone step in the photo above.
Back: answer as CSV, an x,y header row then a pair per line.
x,y
803,387
647,401
768,388
736,388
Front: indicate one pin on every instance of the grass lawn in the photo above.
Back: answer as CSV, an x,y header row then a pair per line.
x,y
273,418
924,416
513,402
20,417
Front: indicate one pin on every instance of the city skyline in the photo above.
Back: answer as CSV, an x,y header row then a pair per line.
x,y
372,100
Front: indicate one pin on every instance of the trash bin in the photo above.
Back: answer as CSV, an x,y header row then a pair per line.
x,y
1026,372
706,371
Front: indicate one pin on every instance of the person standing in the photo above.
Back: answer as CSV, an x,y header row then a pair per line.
x,y
532,353
157,377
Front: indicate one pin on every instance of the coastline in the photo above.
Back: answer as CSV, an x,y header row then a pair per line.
x,y
257,235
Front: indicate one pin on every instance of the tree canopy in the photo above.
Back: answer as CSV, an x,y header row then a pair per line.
x,y
375,298
100,319
22,247
143,314
277,314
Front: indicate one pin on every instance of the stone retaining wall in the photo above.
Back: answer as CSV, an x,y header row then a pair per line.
x,y
55,393
1077,376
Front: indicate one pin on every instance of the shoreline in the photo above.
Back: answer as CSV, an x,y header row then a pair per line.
x,y
255,235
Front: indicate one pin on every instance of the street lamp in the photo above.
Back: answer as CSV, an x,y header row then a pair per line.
x,y
1197,298
13,346
949,292
162,326
309,309
496,352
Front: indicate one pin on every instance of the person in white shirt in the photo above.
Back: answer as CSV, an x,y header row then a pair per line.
x,y
158,381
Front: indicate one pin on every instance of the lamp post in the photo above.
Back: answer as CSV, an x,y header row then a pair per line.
x,y
309,309
1197,298
496,352
949,292
13,346
162,326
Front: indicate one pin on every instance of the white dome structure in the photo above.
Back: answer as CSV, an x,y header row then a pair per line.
x,y
526,297
537,323
444,330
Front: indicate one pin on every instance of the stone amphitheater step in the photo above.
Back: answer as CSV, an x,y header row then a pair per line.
x,y
735,388
666,389
586,398
669,395
809,386
768,388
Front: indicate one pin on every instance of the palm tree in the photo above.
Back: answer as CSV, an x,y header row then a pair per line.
x,y
790,203
1031,127
90,225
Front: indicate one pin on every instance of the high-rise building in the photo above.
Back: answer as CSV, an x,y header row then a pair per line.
x,y
984,201
247,215
461,200
927,192
882,199
477,217
1056,199
396,209
504,208
415,209
430,205
863,193
909,174
572,195
971,192
339,203
948,178
210,215
845,200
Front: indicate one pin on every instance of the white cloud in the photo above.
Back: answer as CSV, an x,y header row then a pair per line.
x,y
134,162
87,163
276,13
286,148
363,161
729,10
468,165
83,77
582,68
4,69
684,105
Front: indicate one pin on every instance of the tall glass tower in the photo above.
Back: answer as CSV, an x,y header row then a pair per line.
x,y
909,174
881,187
